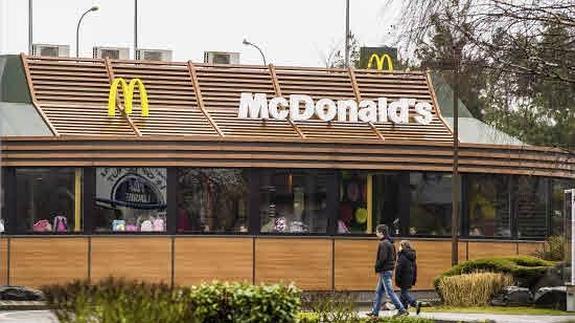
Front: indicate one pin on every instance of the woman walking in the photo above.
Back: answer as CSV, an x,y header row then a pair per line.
x,y
406,274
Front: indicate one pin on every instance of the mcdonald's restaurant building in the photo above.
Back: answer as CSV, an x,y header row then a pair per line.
x,y
186,172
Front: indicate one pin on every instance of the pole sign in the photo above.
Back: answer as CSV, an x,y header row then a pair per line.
x,y
128,91
302,107
379,58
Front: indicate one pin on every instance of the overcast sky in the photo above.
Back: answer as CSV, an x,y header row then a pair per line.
x,y
290,32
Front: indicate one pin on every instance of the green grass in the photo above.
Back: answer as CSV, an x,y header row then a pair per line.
x,y
496,310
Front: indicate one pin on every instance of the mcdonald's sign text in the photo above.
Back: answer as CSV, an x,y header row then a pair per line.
x,y
128,91
380,60
302,107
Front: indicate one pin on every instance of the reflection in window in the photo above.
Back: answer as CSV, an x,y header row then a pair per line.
x,y
530,199
293,201
131,199
48,199
212,200
488,205
353,209
430,209
387,199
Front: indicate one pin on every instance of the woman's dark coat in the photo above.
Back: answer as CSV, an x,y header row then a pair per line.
x,y
406,269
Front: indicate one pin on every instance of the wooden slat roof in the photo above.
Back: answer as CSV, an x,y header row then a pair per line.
x,y
202,100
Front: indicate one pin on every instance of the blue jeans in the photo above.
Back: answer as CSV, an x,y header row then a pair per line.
x,y
384,285
406,298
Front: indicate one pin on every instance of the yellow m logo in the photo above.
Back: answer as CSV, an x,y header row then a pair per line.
x,y
380,60
128,90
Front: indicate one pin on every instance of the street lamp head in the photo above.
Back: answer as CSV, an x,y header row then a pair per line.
x,y
94,8
246,42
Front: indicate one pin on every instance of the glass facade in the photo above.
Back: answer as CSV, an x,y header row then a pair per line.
x,y
293,201
280,201
212,200
48,200
430,207
488,205
130,199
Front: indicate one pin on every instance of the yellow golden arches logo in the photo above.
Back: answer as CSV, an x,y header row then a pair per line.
x,y
380,60
128,90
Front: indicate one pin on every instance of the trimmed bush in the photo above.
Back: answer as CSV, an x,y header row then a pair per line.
x,y
114,300
472,289
525,270
553,249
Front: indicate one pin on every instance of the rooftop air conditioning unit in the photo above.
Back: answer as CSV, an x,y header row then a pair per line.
x,y
221,58
112,52
50,50
163,55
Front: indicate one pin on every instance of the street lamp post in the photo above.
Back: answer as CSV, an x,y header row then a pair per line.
x,y
94,8
246,42
346,33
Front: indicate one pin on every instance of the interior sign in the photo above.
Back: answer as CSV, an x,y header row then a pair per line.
x,y
302,107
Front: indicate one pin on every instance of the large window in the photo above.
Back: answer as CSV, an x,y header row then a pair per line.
x,y
430,208
293,201
48,199
131,200
530,195
354,214
212,200
557,219
488,205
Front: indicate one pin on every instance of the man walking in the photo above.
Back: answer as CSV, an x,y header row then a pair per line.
x,y
384,264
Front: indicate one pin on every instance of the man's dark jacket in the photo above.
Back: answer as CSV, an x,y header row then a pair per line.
x,y
406,269
385,258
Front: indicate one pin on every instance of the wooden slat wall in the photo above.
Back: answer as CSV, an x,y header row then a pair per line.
x,y
200,259
3,261
306,262
172,100
140,258
36,262
73,93
394,85
490,249
74,96
354,264
221,87
228,152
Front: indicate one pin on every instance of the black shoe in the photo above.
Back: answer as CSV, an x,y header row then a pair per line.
x,y
401,313
418,308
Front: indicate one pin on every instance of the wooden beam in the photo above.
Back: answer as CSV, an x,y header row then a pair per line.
x,y
278,92
126,116
43,115
200,98
358,99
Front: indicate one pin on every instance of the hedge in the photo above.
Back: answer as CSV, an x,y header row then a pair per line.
x,y
113,300
525,270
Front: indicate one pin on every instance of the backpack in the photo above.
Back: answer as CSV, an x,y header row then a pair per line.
x,y
60,224
158,225
42,226
146,226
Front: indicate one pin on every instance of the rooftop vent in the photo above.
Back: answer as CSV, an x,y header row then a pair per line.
x,y
163,55
50,50
112,52
221,58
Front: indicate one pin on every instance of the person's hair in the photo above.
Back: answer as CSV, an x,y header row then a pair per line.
x,y
405,244
383,229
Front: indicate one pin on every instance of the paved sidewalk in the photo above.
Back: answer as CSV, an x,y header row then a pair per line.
x,y
36,316
485,317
